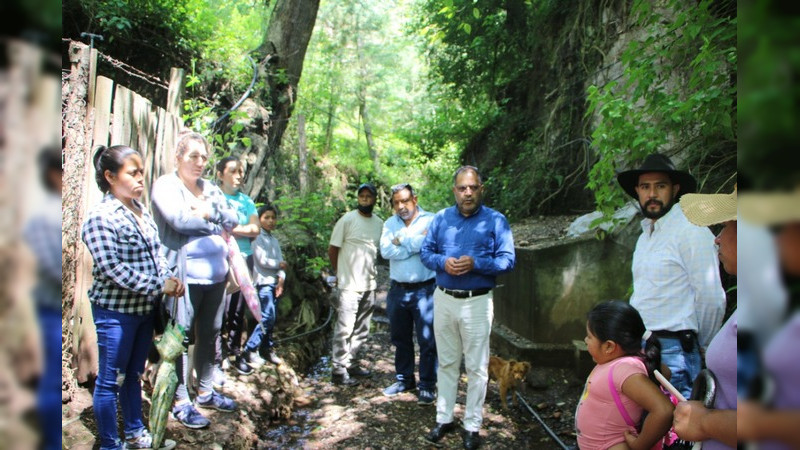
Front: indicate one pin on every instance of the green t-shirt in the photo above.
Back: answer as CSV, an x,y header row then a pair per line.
x,y
245,208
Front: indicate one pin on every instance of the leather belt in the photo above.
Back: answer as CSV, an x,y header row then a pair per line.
x,y
674,334
464,294
415,285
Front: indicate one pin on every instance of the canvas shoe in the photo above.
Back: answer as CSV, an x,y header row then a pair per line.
x,y
216,401
145,441
189,416
398,388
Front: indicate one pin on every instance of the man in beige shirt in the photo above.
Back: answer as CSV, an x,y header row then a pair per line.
x,y
353,252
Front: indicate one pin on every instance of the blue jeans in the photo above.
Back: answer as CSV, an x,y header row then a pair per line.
x,y
262,335
49,392
410,309
684,366
123,341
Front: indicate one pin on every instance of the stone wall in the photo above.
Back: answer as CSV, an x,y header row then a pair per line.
x,y
540,308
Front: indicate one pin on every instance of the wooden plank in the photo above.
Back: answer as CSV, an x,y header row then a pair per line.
x,y
102,110
175,94
92,75
123,112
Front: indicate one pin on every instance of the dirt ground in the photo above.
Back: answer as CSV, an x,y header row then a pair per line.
x,y
283,408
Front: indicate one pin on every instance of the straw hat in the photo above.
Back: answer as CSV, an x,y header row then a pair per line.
x,y
771,208
709,209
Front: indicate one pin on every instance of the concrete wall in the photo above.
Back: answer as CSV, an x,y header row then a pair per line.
x,y
545,299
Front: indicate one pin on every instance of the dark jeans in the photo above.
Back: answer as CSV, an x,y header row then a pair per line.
x,y
261,339
410,309
233,322
122,343
49,392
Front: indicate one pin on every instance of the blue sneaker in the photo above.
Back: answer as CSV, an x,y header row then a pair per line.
x,y
426,397
398,388
216,401
189,416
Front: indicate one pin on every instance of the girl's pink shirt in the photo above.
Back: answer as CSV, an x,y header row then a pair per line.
x,y
598,422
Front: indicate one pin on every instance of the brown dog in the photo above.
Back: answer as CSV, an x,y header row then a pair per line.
x,y
509,376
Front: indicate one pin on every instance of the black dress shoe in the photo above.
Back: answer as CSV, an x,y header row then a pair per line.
x,y
359,372
343,379
472,440
438,432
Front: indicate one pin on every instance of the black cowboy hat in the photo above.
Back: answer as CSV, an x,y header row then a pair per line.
x,y
657,163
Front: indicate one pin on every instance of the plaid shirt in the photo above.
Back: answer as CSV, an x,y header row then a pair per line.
x,y
129,272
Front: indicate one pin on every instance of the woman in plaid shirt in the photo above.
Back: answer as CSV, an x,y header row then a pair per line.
x,y
129,275
191,214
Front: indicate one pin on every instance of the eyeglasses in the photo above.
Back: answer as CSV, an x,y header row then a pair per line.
x,y
471,187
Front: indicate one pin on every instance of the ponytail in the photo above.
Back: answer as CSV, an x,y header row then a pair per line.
x,y
111,159
620,322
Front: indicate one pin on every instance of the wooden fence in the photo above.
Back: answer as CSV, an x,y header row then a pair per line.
x,y
113,114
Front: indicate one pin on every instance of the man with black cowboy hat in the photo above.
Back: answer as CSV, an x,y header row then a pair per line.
x,y
353,252
676,280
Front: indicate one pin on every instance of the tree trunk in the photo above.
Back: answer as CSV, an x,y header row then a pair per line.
x,y
281,61
76,158
373,152
302,154
362,101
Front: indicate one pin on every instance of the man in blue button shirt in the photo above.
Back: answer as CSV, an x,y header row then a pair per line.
x,y
409,303
467,245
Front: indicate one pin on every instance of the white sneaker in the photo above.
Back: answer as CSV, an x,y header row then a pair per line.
x,y
218,378
255,360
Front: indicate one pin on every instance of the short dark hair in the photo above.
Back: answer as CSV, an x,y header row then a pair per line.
x,y
267,207
618,321
111,159
399,187
222,163
462,169
49,160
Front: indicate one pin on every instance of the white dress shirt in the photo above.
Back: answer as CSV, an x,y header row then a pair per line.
x,y
676,281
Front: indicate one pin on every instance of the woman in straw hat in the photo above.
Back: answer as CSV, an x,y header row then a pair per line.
x,y
716,427
774,422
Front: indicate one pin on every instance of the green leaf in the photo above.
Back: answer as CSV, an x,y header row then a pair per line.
x,y
476,13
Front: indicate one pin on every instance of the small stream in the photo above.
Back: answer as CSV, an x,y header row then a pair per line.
x,y
293,433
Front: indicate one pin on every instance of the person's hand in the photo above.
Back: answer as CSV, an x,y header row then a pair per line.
x,y
201,209
459,266
279,288
396,240
283,265
331,280
173,287
687,418
630,439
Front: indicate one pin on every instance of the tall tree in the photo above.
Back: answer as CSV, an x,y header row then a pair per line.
x,y
281,58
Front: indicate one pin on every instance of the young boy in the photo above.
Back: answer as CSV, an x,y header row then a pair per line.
x,y
268,277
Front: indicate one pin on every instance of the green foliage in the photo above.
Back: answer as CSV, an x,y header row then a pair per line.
x,y
675,96
362,51
201,117
305,223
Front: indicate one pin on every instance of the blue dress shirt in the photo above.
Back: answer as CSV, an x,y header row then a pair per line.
x,y
485,236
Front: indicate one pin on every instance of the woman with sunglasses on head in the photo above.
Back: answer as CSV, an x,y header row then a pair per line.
x,y
191,214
